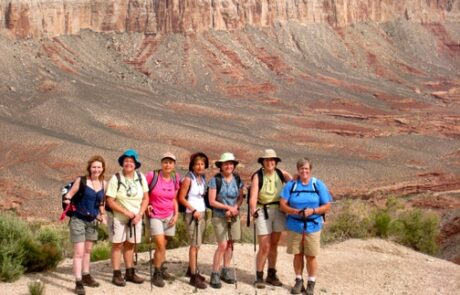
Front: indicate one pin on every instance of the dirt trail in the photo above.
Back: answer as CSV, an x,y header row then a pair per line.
x,y
352,267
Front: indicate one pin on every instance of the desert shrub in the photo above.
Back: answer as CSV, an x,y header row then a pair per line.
x,y
102,232
418,230
14,232
36,287
382,224
180,239
44,252
353,220
101,251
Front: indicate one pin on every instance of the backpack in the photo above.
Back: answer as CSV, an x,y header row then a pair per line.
x,y
71,208
315,190
218,177
118,176
260,174
154,181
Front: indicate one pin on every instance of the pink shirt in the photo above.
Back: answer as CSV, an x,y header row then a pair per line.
x,y
161,198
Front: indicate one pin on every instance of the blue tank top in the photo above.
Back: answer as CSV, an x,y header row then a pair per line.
x,y
88,206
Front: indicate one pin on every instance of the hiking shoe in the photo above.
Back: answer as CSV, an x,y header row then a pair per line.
x,y
310,287
131,276
215,280
89,281
259,283
79,289
226,275
298,287
272,278
157,278
165,274
197,282
188,274
117,279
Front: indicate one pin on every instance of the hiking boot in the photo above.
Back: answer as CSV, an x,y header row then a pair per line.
x,y
89,281
131,276
117,279
197,282
165,274
189,274
226,275
259,283
310,287
79,289
298,287
272,278
157,278
215,280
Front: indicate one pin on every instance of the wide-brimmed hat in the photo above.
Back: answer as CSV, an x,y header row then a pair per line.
x,y
168,155
194,156
131,154
226,157
268,154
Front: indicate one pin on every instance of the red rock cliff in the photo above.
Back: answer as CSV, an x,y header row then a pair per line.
x,y
35,18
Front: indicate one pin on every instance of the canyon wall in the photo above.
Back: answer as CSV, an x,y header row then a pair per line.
x,y
49,18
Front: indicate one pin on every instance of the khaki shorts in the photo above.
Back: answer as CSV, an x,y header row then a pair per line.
x,y
191,229
159,226
275,223
221,229
311,243
120,232
81,230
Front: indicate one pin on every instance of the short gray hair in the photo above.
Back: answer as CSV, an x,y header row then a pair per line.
x,y
303,161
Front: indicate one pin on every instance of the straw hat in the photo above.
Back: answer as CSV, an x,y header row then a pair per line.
x,y
226,157
269,154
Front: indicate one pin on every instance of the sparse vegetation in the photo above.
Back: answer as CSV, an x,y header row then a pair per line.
x,y
101,251
22,250
36,287
357,219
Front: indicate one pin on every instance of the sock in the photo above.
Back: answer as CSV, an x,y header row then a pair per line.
x,y
313,279
85,273
298,277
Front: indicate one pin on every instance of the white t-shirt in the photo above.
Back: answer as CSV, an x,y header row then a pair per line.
x,y
196,193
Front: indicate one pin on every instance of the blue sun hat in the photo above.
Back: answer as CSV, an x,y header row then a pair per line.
x,y
132,154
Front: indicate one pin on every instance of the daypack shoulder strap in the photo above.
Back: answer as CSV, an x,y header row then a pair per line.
x,y
237,179
139,177
218,177
118,176
260,174
154,180
280,175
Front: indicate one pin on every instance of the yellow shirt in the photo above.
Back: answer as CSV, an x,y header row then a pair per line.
x,y
129,195
271,189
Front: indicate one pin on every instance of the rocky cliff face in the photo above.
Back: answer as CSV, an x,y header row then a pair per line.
x,y
36,18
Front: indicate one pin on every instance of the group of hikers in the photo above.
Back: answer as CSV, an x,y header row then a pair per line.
x,y
278,201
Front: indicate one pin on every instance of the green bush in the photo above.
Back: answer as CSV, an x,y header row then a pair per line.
x,y
22,250
101,251
102,232
353,220
418,230
36,287
382,224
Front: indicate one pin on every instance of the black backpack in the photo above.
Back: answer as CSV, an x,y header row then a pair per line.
x,y
260,174
71,208
118,176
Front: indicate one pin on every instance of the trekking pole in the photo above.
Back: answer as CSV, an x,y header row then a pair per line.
x,y
256,215
304,229
231,245
196,253
131,226
150,246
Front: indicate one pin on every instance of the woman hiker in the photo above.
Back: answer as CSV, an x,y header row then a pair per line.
x,y
162,212
191,196
127,197
266,186
225,198
84,222
304,201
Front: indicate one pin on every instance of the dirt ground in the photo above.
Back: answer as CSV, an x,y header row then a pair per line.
x,y
352,267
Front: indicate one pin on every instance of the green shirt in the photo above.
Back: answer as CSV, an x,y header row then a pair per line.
x,y
129,194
